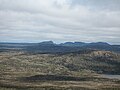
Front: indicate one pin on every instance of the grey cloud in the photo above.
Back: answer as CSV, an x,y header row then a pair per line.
x,y
99,4
34,21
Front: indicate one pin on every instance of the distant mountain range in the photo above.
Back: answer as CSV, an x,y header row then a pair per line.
x,y
51,47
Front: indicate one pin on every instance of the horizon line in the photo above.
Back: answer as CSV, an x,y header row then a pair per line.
x,y
59,42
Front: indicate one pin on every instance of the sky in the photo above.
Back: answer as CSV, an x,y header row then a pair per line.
x,y
60,20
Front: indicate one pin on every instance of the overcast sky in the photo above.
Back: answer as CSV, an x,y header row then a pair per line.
x,y
60,20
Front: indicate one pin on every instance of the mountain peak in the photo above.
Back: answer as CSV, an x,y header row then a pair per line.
x,y
99,43
47,43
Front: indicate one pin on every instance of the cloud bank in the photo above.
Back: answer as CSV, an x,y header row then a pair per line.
x,y
60,20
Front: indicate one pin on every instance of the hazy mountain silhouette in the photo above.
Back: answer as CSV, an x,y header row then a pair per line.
x,y
51,47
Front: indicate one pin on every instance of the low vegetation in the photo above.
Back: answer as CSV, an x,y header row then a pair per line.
x,y
21,70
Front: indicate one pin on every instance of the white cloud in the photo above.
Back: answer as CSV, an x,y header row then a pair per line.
x,y
58,20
